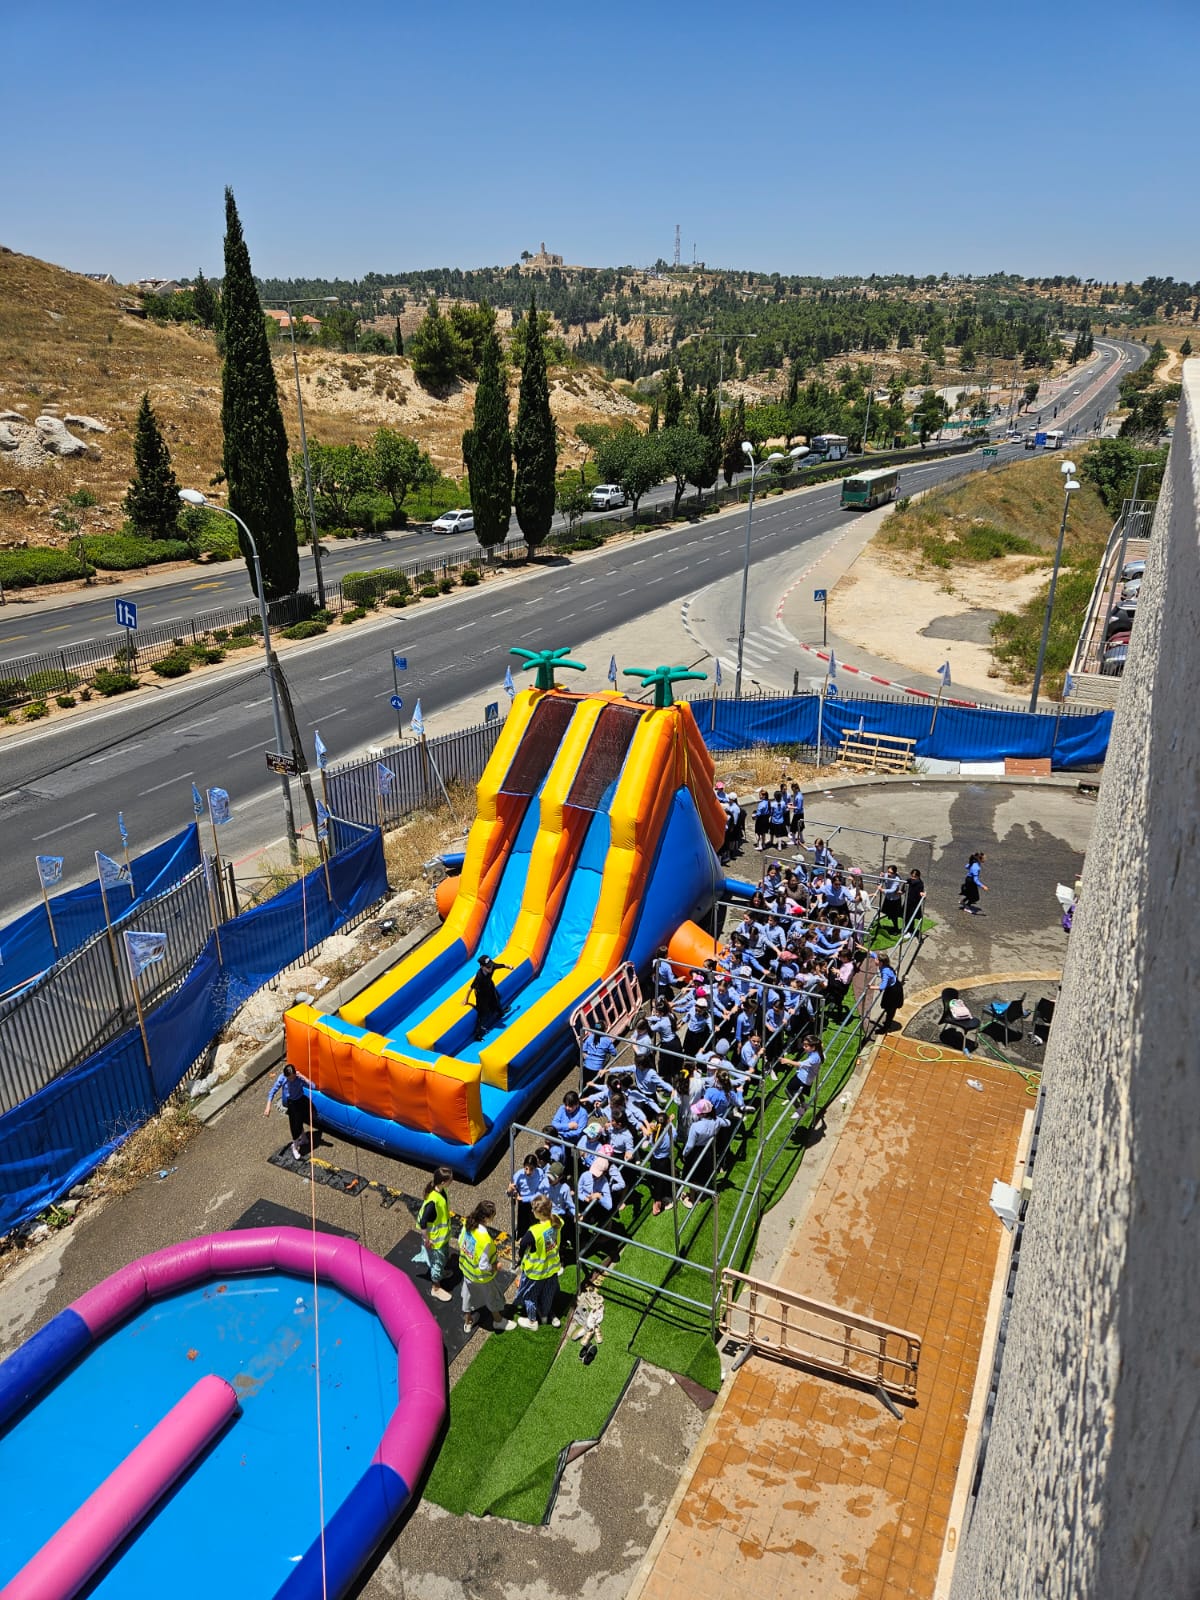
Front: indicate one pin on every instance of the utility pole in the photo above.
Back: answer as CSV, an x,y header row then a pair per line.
x,y
676,247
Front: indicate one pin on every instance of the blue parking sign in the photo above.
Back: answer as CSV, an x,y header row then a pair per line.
x,y
126,614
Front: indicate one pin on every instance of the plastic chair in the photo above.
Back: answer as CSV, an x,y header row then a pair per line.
x,y
949,1025
1007,1017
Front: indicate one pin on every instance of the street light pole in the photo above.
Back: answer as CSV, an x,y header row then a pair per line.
x,y
1069,488
776,455
326,300
193,497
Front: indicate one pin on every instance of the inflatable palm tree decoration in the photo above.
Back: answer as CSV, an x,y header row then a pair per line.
x,y
544,662
660,679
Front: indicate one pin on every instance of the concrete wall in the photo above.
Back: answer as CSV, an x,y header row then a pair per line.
x,y
1091,1485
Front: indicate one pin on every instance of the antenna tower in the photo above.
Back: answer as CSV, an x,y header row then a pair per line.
x,y
676,247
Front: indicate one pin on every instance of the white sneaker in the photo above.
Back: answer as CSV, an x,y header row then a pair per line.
x,y
439,1293
526,1322
503,1327
556,1322
295,1152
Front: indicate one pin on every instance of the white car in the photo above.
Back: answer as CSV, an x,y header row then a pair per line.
x,y
455,522
608,496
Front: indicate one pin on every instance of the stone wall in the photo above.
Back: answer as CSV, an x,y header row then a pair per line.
x,y
1091,1485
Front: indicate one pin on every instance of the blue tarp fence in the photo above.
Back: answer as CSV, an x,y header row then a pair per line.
x,y
959,733
59,1135
26,948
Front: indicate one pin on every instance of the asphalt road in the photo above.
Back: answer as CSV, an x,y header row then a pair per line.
x,y
63,787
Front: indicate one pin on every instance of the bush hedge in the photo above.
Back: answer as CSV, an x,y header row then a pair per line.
x,y
354,614
176,665
36,711
25,569
305,630
429,592
41,684
109,683
121,552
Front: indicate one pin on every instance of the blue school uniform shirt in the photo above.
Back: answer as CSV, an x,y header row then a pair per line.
x,y
597,1052
530,1184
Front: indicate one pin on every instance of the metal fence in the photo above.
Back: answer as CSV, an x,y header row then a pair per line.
x,y
86,999
354,789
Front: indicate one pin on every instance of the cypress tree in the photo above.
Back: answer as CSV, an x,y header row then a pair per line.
x,y
152,500
256,453
399,339
204,301
487,450
534,444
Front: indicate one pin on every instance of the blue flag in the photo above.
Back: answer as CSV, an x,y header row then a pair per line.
x,y
944,674
510,687
322,823
121,829
612,671
50,870
112,873
218,807
384,777
319,746
197,803
832,666
717,674
418,722
143,949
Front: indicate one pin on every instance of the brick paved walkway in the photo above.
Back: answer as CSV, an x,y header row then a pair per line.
x,y
810,1487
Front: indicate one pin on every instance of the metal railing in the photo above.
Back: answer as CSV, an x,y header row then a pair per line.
x,y
418,768
779,1322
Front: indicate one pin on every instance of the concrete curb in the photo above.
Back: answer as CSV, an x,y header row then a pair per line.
x,y
269,1054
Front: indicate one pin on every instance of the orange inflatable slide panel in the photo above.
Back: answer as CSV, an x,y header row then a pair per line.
x,y
439,1097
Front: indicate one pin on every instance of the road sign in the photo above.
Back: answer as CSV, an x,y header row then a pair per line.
x,y
126,614
401,663
491,712
831,690
819,596
396,703
284,764
990,450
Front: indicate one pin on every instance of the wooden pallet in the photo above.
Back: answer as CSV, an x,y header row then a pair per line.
x,y
881,752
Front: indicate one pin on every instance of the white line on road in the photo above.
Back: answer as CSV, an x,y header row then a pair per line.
x,y
503,611
38,837
112,754
699,562
329,676
462,627
179,778
250,704
317,723
596,607
634,590
233,754
582,581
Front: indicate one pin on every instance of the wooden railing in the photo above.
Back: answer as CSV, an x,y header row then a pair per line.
x,y
774,1320
882,752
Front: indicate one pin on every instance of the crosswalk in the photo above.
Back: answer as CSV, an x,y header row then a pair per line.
x,y
769,652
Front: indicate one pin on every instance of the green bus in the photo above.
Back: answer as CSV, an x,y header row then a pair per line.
x,y
866,490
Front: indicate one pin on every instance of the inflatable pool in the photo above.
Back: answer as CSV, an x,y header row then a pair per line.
x,y
163,1433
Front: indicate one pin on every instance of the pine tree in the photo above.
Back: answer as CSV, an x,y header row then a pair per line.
x,y
152,501
204,301
487,450
653,426
672,398
256,453
1185,349
399,337
534,444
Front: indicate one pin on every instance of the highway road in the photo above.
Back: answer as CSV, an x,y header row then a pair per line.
x,y
63,786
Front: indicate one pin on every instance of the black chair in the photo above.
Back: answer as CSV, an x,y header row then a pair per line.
x,y
1007,1018
951,1027
1043,1019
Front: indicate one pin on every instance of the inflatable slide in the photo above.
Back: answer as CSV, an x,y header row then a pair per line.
x,y
596,837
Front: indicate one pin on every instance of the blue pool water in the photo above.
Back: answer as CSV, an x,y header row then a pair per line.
x,y
242,1519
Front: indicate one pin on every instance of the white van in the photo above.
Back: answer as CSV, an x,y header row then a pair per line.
x,y
608,496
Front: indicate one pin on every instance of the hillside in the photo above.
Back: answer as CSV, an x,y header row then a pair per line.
x,y
69,348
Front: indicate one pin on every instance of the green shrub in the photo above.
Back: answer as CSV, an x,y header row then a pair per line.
x,y
429,592
177,665
218,541
120,552
25,569
52,682
221,634
66,701
11,689
242,630
470,578
354,614
36,711
445,585
305,630
424,578
365,588
81,498
208,654
109,683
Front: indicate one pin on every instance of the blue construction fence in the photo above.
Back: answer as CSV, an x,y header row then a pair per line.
x,y
59,1135
1070,739
26,947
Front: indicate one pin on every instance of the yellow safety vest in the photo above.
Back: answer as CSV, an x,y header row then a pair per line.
x,y
473,1248
439,1230
542,1261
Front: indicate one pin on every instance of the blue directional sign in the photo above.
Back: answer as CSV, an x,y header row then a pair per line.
x,y
491,712
401,663
819,596
126,614
396,703
831,690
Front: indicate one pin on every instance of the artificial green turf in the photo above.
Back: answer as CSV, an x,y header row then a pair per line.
x,y
524,1400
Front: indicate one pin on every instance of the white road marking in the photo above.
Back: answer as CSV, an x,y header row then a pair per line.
x,y
180,778
259,745
38,837
463,626
329,676
250,704
113,754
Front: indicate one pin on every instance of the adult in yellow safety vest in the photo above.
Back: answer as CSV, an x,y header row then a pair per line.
x,y
477,1260
540,1265
433,1219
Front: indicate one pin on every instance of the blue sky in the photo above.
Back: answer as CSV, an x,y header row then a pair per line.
x,y
916,136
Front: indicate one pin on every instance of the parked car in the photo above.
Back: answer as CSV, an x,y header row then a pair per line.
x,y
1112,662
455,522
1120,619
1132,570
1131,590
608,496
